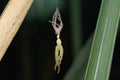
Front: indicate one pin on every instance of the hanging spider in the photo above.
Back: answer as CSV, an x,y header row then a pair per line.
x,y
57,25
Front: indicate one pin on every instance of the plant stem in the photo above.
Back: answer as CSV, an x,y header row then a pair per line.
x,y
10,21
76,25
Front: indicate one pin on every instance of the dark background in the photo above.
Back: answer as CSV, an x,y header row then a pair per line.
x,y
30,56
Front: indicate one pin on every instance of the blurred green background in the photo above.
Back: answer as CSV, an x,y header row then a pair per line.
x,y
30,56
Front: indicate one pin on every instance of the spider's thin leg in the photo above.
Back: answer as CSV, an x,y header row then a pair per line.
x,y
58,69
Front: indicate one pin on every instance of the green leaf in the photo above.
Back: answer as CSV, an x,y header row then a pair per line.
x,y
76,25
103,44
42,9
78,68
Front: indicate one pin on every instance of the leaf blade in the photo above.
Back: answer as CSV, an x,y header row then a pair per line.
x,y
103,43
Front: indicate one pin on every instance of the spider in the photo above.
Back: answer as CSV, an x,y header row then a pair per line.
x,y
57,25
